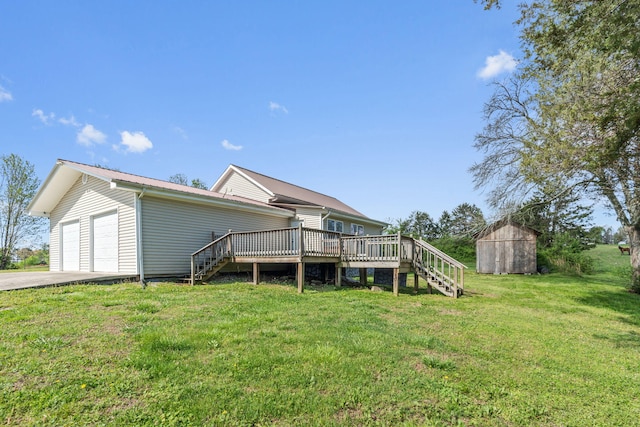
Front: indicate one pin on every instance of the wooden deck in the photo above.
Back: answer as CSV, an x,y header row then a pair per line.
x,y
301,246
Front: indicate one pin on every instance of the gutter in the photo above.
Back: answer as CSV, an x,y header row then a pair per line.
x,y
226,203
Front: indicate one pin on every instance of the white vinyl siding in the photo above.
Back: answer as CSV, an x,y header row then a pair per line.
x,y
312,217
349,224
238,185
70,243
83,202
173,230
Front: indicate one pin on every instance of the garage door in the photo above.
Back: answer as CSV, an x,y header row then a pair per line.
x,y
71,246
105,242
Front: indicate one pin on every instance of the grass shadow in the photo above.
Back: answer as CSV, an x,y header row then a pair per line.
x,y
622,301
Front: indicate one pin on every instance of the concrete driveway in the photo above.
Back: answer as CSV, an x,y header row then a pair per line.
x,y
36,279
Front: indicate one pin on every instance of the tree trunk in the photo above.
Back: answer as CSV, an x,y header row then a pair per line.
x,y
633,234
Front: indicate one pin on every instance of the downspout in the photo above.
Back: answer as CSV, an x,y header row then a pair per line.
x,y
322,219
139,237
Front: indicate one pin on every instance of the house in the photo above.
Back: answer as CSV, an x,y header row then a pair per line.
x,y
312,209
506,247
105,220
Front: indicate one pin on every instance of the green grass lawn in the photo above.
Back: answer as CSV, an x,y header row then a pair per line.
x,y
551,350
29,268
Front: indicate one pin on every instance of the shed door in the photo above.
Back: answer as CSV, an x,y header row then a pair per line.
x,y
105,242
71,246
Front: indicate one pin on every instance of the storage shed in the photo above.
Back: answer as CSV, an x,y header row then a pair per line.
x,y
506,247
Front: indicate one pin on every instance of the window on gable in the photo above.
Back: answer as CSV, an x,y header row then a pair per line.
x,y
333,225
357,229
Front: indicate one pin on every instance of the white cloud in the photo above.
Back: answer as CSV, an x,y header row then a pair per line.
x,y
274,107
71,121
135,142
44,118
5,95
497,64
89,135
181,132
229,146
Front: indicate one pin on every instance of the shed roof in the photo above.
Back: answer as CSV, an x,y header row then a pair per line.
x,y
502,223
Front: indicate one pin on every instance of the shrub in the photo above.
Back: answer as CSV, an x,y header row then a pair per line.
x,y
460,248
566,254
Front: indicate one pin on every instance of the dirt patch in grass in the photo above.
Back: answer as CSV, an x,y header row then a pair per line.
x,y
450,312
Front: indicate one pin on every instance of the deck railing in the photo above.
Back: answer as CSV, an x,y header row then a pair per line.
x,y
302,242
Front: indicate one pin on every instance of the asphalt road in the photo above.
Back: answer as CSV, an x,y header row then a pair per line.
x,y
36,279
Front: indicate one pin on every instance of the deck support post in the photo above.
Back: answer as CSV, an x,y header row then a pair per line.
x,y
256,273
300,274
363,276
396,281
338,273
416,282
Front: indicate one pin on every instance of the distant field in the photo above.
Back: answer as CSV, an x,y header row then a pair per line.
x,y
548,350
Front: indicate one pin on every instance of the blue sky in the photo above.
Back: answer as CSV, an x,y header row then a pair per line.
x,y
375,103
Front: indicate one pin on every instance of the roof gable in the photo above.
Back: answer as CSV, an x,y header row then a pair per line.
x,y
287,194
501,224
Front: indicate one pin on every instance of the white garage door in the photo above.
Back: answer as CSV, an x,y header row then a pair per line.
x,y
71,246
105,243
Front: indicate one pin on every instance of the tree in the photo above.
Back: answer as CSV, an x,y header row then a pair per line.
x,y
198,183
552,212
179,178
445,223
421,225
18,185
465,220
182,179
571,113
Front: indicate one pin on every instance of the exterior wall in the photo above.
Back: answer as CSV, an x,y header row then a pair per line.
x,y
172,231
312,217
507,250
81,203
238,185
369,229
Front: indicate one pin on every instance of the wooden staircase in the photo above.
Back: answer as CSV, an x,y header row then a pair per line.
x,y
440,271
210,259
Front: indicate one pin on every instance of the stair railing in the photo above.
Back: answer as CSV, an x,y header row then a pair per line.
x,y
207,257
441,270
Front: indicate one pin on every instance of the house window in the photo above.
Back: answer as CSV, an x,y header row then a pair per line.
x,y
357,229
333,225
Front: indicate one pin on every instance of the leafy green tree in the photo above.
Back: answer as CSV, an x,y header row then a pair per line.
x,y
445,223
597,234
422,226
553,212
182,179
419,225
197,183
620,236
397,226
179,178
465,220
18,185
571,113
